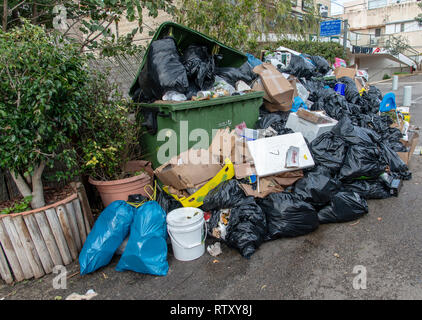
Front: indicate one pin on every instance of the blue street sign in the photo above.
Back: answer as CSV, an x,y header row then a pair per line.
x,y
330,28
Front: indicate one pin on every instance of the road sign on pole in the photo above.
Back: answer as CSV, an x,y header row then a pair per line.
x,y
330,28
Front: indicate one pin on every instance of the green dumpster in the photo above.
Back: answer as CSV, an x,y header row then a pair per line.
x,y
172,127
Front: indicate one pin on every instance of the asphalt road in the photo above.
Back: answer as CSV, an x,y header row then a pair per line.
x,y
387,243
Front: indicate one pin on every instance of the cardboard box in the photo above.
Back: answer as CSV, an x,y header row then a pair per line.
x,y
269,154
258,86
412,143
293,82
344,72
277,87
308,129
183,173
314,117
244,170
274,107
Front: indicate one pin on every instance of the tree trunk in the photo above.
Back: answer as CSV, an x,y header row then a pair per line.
x,y
37,186
34,13
5,9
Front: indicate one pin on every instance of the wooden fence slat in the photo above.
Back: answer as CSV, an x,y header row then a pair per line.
x,y
67,231
59,235
29,247
86,209
10,253
49,239
39,243
18,247
5,273
80,220
71,215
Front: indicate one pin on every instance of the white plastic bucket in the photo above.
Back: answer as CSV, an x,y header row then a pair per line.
x,y
187,230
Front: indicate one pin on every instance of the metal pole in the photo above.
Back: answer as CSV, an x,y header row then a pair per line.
x,y
407,96
345,25
395,82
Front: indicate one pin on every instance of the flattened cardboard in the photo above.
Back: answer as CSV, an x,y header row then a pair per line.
x,y
344,72
266,187
180,173
278,88
244,170
274,107
286,179
313,117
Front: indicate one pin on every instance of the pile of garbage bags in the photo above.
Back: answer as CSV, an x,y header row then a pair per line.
x,y
355,160
192,75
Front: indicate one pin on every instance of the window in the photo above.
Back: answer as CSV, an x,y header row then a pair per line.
x,y
378,32
402,27
373,4
307,5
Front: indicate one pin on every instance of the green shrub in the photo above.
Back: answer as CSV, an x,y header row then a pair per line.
x,y
386,77
42,85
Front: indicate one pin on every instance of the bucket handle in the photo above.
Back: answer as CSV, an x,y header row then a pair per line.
x,y
192,245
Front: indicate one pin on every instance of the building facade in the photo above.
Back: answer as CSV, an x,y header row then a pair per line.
x,y
375,22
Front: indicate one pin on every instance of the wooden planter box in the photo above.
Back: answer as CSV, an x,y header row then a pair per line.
x,y
33,242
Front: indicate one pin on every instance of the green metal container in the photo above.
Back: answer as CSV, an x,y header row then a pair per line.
x,y
166,120
178,120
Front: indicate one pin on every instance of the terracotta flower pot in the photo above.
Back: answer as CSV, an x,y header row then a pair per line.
x,y
121,189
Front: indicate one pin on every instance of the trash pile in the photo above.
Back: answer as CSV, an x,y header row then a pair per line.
x,y
320,149
192,75
325,142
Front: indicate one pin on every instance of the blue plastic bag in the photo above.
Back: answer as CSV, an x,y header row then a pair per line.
x,y
253,62
146,250
109,231
298,103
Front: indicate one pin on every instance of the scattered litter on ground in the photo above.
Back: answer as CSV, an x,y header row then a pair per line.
x,y
214,249
87,296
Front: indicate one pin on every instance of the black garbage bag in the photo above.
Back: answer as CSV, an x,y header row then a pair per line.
x,y
275,121
395,163
300,68
345,206
200,66
322,65
370,102
246,228
288,215
232,75
351,92
316,89
368,189
375,91
354,134
317,187
165,68
334,105
167,202
329,150
362,162
145,92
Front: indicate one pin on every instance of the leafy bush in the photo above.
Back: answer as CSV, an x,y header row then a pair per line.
x,y
42,86
18,207
328,50
108,138
241,23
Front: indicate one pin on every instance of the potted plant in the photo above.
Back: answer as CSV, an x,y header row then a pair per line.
x,y
43,83
109,144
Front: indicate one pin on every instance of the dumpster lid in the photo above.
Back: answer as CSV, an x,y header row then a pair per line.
x,y
184,37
